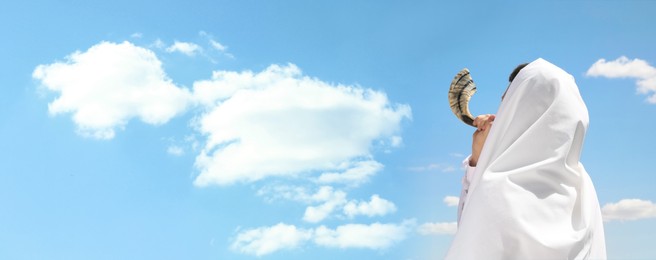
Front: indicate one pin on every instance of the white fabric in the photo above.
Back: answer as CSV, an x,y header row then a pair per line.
x,y
529,196
466,180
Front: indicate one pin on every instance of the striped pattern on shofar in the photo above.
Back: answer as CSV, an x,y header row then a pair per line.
x,y
461,90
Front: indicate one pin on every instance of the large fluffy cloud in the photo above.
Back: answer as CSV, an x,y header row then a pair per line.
x,y
273,123
109,84
629,209
623,67
280,123
276,122
265,240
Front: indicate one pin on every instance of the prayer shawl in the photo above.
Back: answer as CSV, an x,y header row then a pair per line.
x,y
529,196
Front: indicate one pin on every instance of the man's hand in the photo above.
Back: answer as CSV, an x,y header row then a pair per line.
x,y
483,124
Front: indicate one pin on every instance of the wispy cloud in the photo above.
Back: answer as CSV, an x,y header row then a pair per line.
x,y
371,236
108,85
158,44
280,123
451,201
623,67
186,48
360,172
175,150
330,200
441,228
441,167
266,240
629,209
438,228
218,46
273,193
457,155
377,206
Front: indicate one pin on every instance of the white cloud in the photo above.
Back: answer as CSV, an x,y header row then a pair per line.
x,y
396,141
266,240
331,200
186,48
327,193
273,193
622,67
225,84
433,167
327,201
375,207
175,150
451,201
297,193
159,44
355,175
280,123
440,228
218,46
372,236
109,84
629,209
457,155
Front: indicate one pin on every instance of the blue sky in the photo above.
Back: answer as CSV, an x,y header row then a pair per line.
x,y
293,129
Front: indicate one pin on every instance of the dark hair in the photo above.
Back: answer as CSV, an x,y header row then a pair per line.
x,y
516,71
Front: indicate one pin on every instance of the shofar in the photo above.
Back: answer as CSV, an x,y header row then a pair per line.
x,y
461,90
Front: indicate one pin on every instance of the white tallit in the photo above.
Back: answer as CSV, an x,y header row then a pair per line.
x,y
530,197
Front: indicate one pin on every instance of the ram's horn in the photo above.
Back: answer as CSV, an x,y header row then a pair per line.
x,y
461,90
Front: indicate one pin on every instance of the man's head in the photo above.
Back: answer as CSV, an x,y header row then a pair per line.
x,y
516,71
513,74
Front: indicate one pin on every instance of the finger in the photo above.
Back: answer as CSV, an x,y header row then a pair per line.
x,y
485,126
488,125
490,118
478,122
481,120
488,122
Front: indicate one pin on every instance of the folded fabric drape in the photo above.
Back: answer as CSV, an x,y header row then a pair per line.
x,y
529,196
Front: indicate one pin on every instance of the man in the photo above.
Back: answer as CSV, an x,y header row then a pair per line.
x,y
525,194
